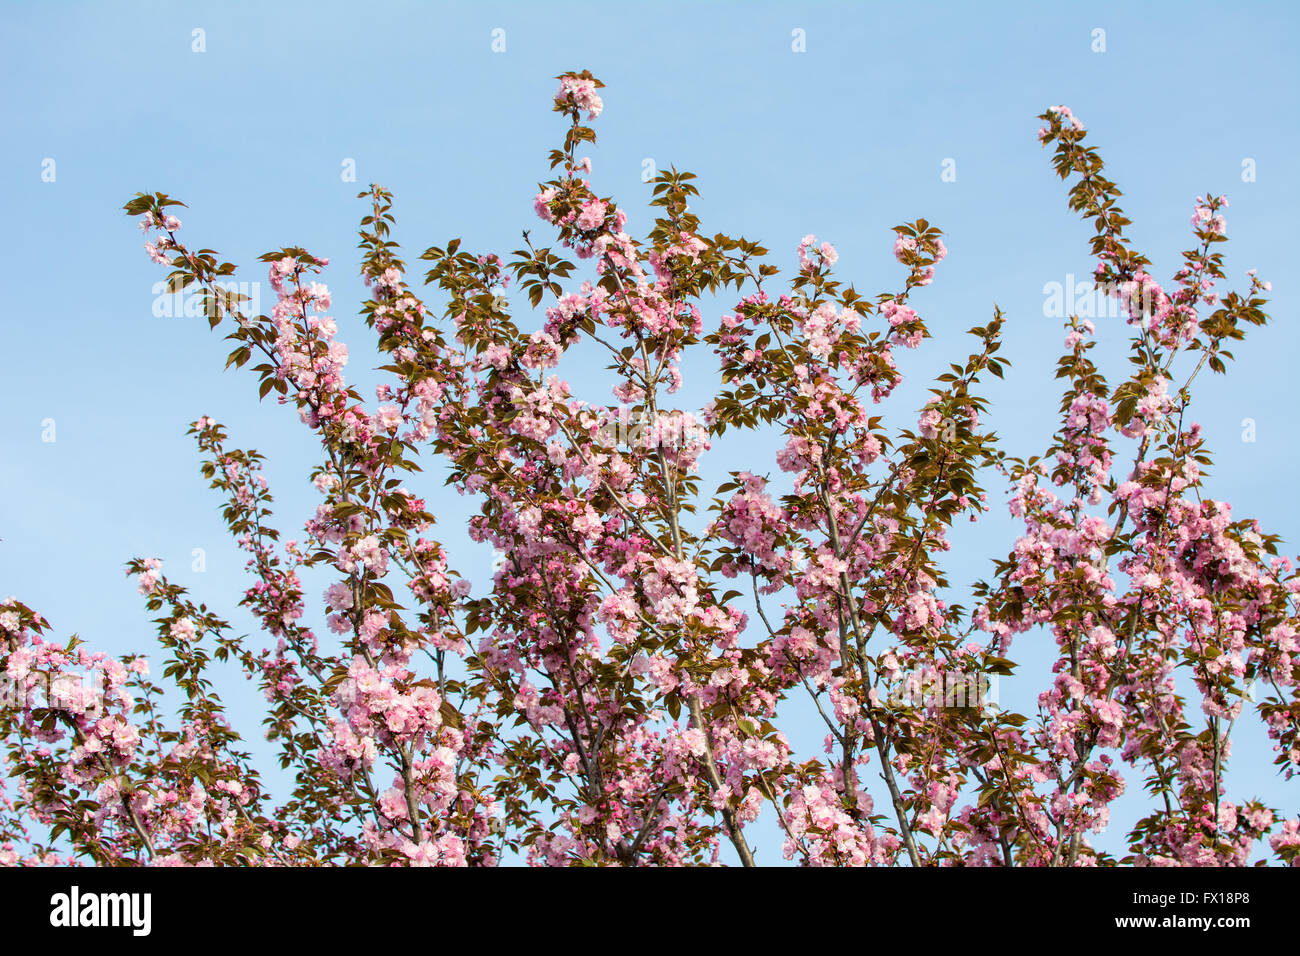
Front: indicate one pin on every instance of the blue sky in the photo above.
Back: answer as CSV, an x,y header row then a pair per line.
x,y
845,140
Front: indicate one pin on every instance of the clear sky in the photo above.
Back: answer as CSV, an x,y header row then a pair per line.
x,y
844,139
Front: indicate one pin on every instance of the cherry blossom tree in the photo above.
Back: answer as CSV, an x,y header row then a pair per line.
x,y
623,692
